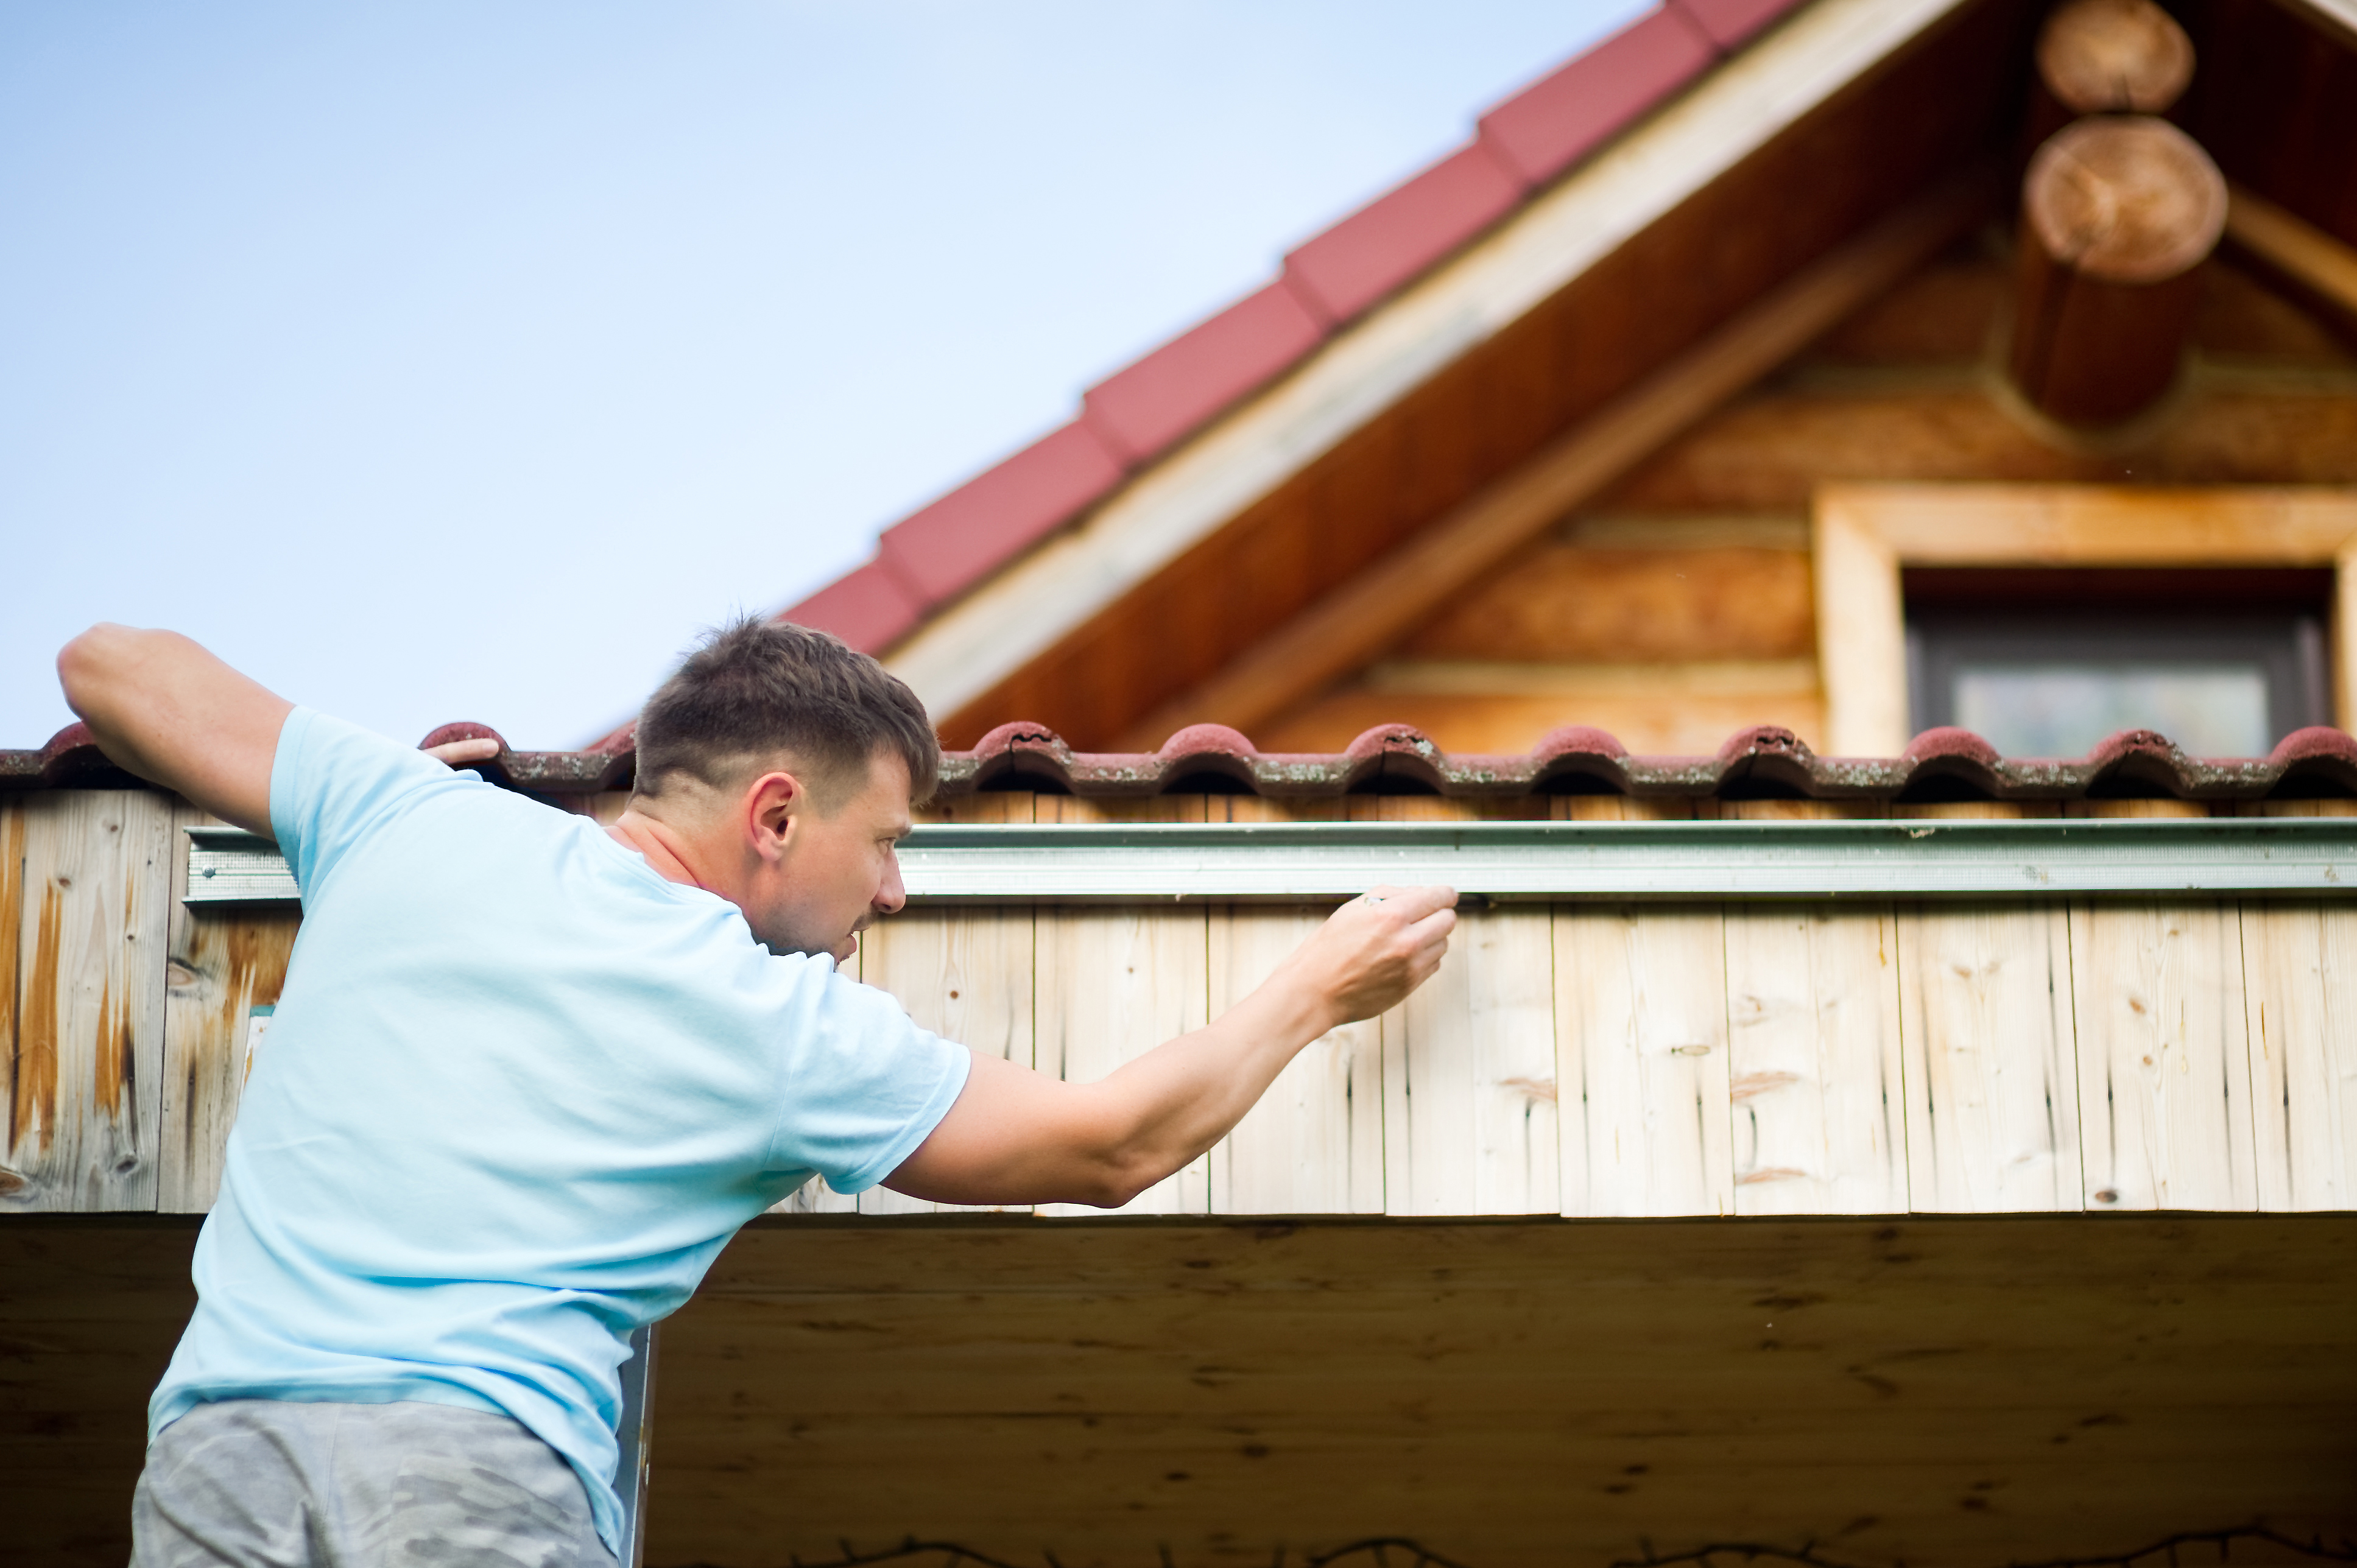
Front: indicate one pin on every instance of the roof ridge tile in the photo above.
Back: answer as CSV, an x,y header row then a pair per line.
x,y
1543,130
1153,404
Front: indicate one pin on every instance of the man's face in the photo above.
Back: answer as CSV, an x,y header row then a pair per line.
x,y
836,871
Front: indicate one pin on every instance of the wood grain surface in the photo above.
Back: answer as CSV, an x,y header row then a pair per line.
x,y
1990,1065
223,963
90,876
1641,1035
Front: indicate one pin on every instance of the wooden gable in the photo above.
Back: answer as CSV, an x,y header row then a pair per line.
x,y
1580,445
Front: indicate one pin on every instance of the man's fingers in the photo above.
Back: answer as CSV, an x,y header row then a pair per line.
x,y
482,748
1410,903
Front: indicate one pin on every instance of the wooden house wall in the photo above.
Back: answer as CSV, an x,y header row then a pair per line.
x,y
1677,607
1582,1059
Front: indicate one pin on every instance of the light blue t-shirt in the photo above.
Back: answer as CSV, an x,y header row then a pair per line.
x,y
517,1094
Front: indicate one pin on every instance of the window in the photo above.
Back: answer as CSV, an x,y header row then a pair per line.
x,y
2047,617
2049,662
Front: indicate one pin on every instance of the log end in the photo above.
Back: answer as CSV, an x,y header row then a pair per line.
x,y
2125,199
2118,213
2115,56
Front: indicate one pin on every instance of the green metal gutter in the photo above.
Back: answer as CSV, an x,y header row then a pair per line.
x,y
1095,863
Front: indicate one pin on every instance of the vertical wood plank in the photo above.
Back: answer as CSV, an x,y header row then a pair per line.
x,y
967,975
1621,809
1115,983
221,965
1991,1073
2300,992
1313,1144
1975,811
1813,1059
12,926
86,1057
986,806
2164,1055
1469,1083
2136,810
1641,1011
1146,809
1257,809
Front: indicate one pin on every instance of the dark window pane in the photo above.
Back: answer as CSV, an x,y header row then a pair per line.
x,y
2220,675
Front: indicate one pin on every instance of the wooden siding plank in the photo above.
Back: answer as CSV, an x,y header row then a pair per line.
x,y
1470,1118
989,806
1991,1074
1113,984
221,965
1640,1026
1813,1061
2164,1055
2300,992
967,974
1313,1144
1621,809
86,1055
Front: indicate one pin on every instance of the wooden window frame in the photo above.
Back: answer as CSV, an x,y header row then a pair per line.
x,y
1864,536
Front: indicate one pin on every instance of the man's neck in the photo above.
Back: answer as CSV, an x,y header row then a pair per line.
x,y
666,850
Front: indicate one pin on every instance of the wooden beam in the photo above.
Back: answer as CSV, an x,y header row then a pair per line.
x,y
2118,211
2318,262
1365,616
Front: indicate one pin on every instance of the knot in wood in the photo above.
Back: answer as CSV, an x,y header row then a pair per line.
x,y
2116,56
2125,198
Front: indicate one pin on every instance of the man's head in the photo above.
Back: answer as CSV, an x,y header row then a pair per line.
x,y
786,763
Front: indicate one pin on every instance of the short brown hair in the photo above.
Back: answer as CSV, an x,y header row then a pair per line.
x,y
754,690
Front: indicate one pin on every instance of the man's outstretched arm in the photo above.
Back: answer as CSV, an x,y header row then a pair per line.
x,y
1019,1137
164,708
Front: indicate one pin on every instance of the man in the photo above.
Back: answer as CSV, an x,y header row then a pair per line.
x,y
527,1077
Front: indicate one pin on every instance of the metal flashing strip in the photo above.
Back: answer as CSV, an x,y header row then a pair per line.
x,y
229,865
1307,862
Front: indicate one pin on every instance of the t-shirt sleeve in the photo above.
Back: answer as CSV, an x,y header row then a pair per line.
x,y
863,1085
331,783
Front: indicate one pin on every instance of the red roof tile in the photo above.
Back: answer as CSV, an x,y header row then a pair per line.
x,y
1392,239
970,532
1141,412
867,607
1728,23
1542,131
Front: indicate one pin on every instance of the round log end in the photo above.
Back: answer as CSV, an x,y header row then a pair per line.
x,y
2115,56
2125,199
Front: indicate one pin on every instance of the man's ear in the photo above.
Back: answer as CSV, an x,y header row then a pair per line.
x,y
770,808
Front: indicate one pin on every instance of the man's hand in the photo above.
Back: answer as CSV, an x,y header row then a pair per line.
x,y
1019,1137
1374,949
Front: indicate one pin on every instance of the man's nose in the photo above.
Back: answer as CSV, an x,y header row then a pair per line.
x,y
891,894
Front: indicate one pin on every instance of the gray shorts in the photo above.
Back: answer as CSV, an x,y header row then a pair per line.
x,y
280,1483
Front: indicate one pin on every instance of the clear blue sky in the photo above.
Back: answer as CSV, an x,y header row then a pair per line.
x,y
442,360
